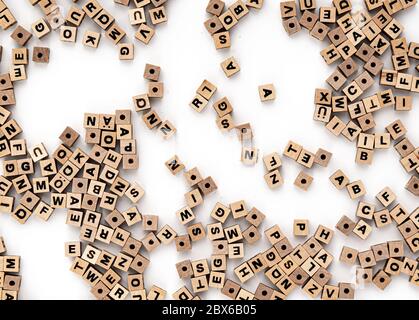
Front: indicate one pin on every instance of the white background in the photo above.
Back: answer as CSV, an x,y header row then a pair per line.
x,y
80,79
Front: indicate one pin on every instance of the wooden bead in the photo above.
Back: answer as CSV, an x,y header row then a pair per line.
x,y
21,36
348,255
218,262
251,234
150,222
366,259
185,215
336,126
403,103
381,279
413,185
272,161
126,51
91,39
198,103
155,89
193,176
323,234
228,19
308,19
17,73
213,25
312,246
301,228
312,288
319,31
2,246
184,269
303,181
68,34
409,266
351,131
230,67
285,285
196,232
206,90
175,165
69,137
380,252
382,218
362,229
299,276
220,212
410,162
238,209
346,290
386,196
323,258
41,55
322,157
156,293
310,266
230,289
11,282
327,14
365,210
274,234
235,251
243,272
275,273
11,264
6,19
233,234
193,198
306,158
215,231
267,92
141,102
166,235
364,276
255,217
292,150
291,26
336,80
216,279
283,247
207,186
182,294
395,249
215,7
288,9
144,33
330,292
356,189
393,267
339,103
274,179
183,243
220,247
150,242
200,267
322,276
263,292
239,9
151,72
158,15
222,40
